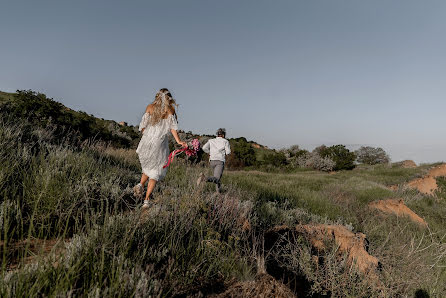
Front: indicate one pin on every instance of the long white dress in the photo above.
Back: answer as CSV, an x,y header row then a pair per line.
x,y
153,149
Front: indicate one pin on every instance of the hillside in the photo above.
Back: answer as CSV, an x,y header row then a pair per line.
x,y
4,96
46,111
70,226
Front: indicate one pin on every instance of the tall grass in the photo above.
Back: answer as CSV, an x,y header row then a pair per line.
x,y
190,242
412,257
54,190
194,242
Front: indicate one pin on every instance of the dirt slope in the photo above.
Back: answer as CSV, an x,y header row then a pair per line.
x,y
352,244
428,184
264,286
398,208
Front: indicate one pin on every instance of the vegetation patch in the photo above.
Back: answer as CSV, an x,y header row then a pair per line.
x,y
70,226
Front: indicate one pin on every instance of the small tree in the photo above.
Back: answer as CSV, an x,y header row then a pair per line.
x,y
344,159
372,156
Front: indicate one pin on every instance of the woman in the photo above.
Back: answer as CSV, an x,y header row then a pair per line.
x,y
153,149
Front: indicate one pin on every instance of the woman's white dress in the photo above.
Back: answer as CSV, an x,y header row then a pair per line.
x,y
153,149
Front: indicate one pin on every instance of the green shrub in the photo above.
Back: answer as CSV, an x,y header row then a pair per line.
x,y
242,153
276,159
344,159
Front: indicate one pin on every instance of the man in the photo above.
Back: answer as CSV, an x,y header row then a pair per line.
x,y
217,148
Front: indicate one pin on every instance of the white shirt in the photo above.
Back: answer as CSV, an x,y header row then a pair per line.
x,y
217,148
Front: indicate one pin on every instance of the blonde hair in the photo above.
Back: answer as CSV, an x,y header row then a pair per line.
x,y
162,105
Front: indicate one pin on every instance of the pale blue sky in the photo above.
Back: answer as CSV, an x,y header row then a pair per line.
x,y
277,72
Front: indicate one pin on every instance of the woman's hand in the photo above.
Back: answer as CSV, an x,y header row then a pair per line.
x,y
177,138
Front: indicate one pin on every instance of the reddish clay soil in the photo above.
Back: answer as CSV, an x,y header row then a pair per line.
x,y
352,244
264,286
398,208
428,184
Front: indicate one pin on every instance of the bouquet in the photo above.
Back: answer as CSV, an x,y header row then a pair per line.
x,y
191,150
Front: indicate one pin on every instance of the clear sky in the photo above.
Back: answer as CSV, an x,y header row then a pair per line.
x,y
277,72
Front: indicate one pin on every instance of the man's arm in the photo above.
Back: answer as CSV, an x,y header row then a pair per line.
x,y
227,148
207,147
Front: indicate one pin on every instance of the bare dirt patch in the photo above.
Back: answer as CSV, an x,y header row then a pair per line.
x,y
438,171
354,245
398,208
263,286
428,184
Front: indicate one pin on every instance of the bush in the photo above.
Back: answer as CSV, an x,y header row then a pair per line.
x,y
242,153
276,159
315,161
372,156
324,164
293,152
344,159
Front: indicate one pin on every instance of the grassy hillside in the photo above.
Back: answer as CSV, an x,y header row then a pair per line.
x,y
411,255
70,226
45,112
4,96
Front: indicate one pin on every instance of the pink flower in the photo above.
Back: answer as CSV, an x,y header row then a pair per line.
x,y
193,148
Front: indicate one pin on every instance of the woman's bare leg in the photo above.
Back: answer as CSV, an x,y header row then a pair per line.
x,y
150,188
138,190
144,179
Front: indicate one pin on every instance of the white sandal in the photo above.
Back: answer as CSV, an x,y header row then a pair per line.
x,y
138,190
145,205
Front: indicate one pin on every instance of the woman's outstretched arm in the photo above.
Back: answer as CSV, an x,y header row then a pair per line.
x,y
177,138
